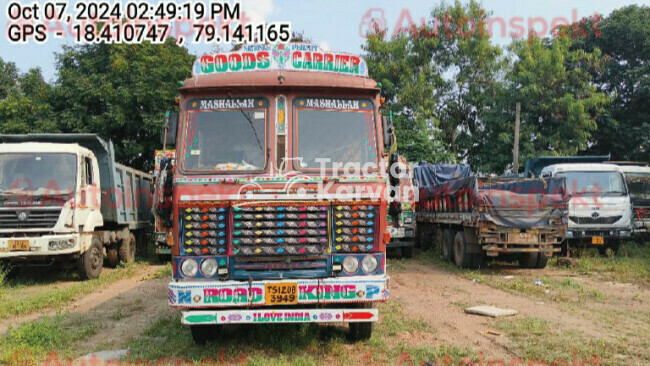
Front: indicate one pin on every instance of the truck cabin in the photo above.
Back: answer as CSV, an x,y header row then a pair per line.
x,y
267,139
600,211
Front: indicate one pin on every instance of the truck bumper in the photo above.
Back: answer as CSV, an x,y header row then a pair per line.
x,y
310,292
613,233
288,315
46,245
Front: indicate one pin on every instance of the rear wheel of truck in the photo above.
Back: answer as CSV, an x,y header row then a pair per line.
x,y
127,249
112,256
528,260
201,334
448,245
461,256
542,260
90,263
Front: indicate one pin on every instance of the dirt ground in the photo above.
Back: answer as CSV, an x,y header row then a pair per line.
x,y
438,297
427,292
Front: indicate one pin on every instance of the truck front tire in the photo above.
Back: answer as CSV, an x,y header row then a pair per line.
x,y
201,334
407,252
127,249
90,263
360,331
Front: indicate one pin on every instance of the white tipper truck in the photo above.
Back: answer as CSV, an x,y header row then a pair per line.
x,y
65,201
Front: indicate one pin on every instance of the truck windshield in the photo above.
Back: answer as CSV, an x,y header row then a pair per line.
x,y
37,174
228,140
594,183
327,137
639,185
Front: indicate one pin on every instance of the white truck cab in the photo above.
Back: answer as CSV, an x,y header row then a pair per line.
x,y
600,210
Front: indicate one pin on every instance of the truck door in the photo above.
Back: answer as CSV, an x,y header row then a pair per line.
x,y
89,194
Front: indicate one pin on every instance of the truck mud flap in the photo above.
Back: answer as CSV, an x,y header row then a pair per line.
x,y
267,316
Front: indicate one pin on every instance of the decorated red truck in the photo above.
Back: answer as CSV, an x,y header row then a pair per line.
x,y
273,221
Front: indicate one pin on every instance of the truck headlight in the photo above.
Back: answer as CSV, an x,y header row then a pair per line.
x,y
369,263
569,234
189,268
209,267
161,238
350,264
60,244
625,233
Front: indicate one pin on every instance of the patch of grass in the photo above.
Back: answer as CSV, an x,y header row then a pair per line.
x,y
631,264
294,344
21,297
537,339
162,272
395,265
31,343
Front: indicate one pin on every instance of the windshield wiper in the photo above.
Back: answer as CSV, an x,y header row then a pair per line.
x,y
250,122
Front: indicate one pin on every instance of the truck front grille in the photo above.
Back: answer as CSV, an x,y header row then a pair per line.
x,y
203,230
280,230
606,220
354,228
29,218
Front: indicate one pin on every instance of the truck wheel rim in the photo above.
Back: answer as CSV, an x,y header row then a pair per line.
x,y
95,258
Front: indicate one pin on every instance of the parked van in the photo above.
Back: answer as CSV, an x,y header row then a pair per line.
x,y
638,182
600,210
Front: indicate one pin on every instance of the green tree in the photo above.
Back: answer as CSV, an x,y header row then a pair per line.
x,y
24,101
120,92
470,65
559,104
624,39
408,84
437,78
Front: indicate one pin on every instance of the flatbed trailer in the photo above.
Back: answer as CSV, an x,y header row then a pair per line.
x,y
470,218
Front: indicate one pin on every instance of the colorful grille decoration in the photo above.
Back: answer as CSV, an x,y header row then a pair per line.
x,y
280,230
354,228
203,231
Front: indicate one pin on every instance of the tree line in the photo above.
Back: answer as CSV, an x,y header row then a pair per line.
x,y
120,92
452,92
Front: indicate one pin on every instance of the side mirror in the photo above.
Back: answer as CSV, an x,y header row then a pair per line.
x,y
172,127
388,132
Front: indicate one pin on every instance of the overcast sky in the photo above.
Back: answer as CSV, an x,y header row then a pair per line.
x,y
340,24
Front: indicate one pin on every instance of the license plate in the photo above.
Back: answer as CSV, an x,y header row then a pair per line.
x,y
281,293
597,240
522,238
19,245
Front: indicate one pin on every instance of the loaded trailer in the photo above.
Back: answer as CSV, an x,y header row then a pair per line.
x,y
470,218
64,200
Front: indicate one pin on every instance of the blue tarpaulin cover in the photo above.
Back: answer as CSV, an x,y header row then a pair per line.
x,y
427,174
